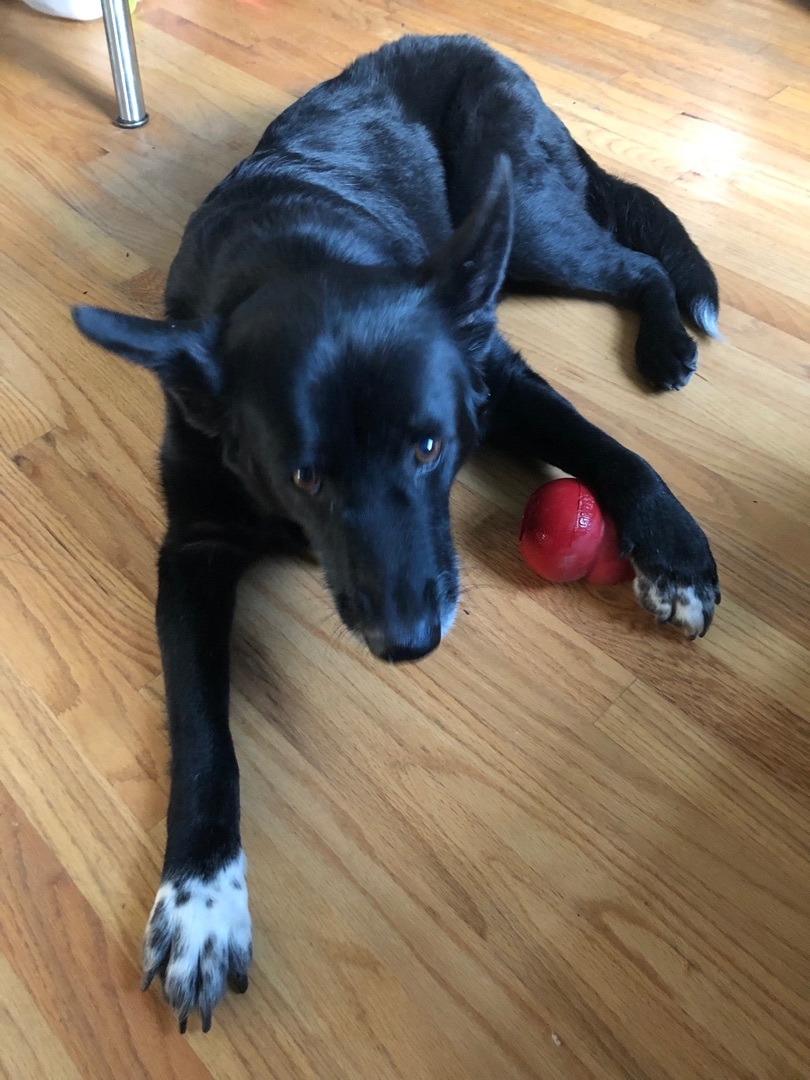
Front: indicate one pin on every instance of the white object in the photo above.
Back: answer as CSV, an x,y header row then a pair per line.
x,y
81,10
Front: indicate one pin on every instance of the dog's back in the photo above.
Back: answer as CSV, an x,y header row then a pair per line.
x,y
373,167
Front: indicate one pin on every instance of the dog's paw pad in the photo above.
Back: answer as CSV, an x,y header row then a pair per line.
x,y
199,939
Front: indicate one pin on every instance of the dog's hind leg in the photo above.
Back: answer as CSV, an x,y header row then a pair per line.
x,y
639,220
558,243
576,227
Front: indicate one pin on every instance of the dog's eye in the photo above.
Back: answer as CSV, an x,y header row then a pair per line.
x,y
427,450
307,480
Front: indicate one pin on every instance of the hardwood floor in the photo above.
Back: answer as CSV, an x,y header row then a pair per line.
x,y
567,845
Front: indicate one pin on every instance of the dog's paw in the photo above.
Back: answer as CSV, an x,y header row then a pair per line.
x,y
689,607
676,575
199,940
666,359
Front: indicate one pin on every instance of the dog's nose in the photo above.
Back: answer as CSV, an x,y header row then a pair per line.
x,y
404,644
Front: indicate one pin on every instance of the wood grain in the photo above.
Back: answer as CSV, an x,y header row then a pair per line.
x,y
567,845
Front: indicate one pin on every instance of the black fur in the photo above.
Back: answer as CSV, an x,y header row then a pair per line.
x,y
331,357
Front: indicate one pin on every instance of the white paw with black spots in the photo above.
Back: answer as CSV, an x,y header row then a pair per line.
x,y
689,607
199,940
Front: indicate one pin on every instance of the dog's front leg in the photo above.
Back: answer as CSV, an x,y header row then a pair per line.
x,y
198,938
676,576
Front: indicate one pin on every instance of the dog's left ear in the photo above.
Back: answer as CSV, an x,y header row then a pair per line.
x,y
469,270
180,352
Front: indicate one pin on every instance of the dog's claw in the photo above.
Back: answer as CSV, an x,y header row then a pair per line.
x,y
183,1024
206,1020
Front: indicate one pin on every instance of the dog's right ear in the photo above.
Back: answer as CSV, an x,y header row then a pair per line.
x,y
180,352
469,270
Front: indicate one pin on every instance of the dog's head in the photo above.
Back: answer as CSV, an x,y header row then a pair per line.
x,y
348,398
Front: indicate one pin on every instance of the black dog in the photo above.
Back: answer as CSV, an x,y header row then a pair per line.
x,y
331,357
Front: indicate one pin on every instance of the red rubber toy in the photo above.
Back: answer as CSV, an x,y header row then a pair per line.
x,y
564,536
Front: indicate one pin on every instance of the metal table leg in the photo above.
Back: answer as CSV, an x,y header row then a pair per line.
x,y
124,63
